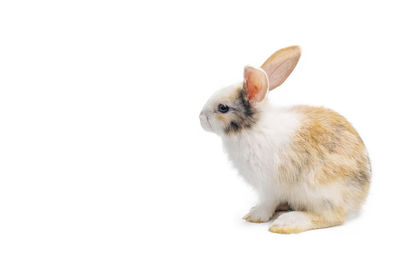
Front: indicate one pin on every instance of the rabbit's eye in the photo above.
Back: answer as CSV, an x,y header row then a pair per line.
x,y
223,108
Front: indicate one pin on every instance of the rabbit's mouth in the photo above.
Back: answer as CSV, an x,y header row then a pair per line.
x,y
205,122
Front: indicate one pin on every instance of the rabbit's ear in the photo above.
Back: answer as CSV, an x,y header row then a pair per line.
x,y
256,83
281,64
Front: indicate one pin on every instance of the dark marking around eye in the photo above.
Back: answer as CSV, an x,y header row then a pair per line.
x,y
244,115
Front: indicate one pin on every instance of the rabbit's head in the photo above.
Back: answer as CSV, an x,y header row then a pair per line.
x,y
237,107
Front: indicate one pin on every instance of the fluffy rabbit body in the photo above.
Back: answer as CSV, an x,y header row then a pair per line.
x,y
306,159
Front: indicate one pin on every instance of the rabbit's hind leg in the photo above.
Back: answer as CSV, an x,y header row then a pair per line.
x,y
300,221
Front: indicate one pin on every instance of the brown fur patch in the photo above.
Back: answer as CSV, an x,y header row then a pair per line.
x,y
222,118
286,229
327,150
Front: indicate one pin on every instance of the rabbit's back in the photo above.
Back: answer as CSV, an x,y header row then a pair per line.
x,y
326,160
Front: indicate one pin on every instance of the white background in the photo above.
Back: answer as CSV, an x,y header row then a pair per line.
x,y
102,158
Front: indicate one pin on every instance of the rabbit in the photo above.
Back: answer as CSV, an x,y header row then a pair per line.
x,y
308,160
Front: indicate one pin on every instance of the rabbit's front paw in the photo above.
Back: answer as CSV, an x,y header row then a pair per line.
x,y
259,214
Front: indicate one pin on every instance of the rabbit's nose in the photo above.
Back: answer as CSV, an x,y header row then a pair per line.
x,y
202,115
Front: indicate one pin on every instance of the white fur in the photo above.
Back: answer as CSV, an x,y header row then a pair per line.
x,y
260,213
293,219
255,153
